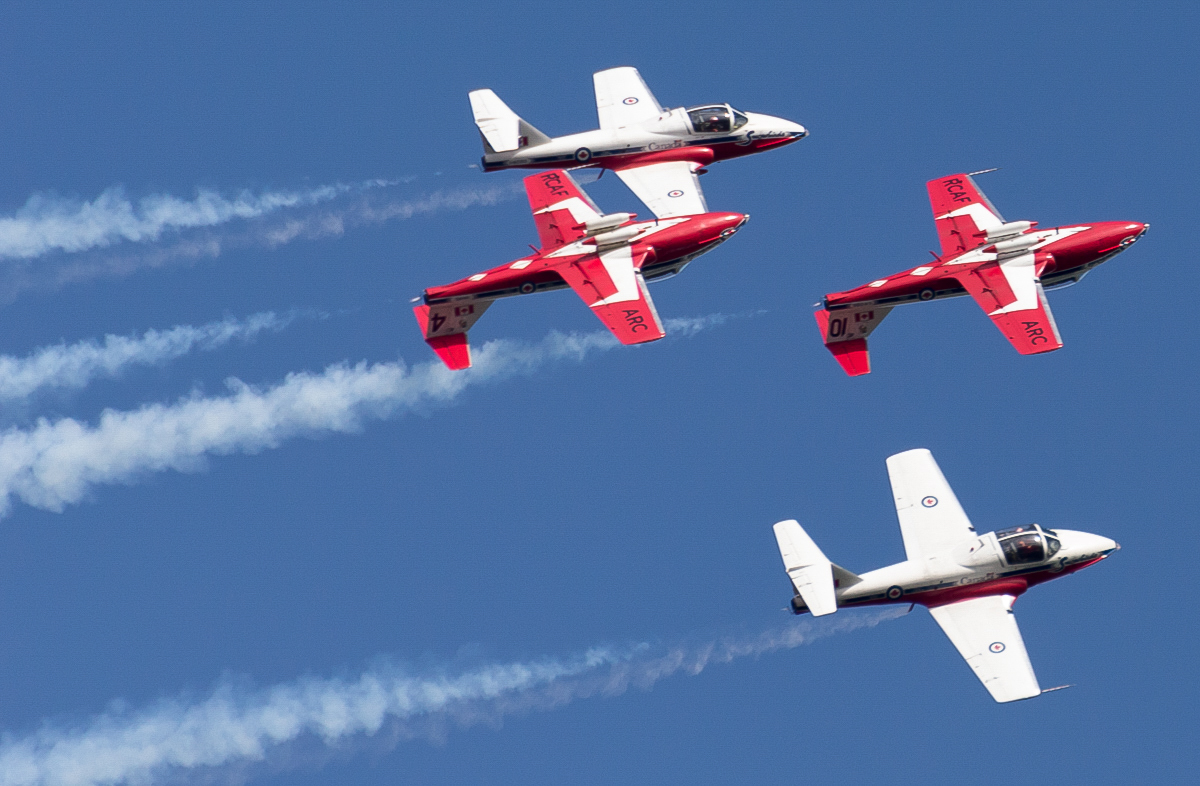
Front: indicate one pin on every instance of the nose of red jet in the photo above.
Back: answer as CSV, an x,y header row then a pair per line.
x,y
728,223
1128,234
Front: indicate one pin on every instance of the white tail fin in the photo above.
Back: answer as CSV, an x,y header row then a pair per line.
x,y
501,128
811,572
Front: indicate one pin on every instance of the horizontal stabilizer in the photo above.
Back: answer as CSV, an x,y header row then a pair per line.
x,y
444,327
845,334
807,566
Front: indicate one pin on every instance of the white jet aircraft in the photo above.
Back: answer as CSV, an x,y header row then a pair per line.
x,y
966,580
657,152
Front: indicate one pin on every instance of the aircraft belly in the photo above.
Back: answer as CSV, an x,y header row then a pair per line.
x,y
906,582
562,150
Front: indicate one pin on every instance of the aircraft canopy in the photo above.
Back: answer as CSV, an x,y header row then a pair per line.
x,y
1028,544
716,119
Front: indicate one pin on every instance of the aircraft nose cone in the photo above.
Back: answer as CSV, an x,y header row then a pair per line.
x,y
1098,544
787,128
732,222
1131,233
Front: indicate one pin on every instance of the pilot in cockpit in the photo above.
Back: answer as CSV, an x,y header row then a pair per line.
x,y
710,120
1025,544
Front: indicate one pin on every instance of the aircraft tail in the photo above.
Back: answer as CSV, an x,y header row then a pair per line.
x,y
814,578
845,332
501,128
444,327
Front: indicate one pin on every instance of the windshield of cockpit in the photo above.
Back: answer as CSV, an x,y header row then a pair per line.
x,y
716,119
1028,544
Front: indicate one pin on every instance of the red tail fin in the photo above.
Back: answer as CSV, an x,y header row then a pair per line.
x,y
444,327
845,334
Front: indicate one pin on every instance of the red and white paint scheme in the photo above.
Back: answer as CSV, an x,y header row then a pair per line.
x,y
967,581
1005,266
657,152
606,259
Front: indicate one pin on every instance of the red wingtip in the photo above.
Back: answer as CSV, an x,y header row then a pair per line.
x,y
452,349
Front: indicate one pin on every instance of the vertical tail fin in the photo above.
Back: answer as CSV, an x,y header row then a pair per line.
x,y
444,327
845,334
807,566
501,128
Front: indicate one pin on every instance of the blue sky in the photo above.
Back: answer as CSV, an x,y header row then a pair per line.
x,y
265,188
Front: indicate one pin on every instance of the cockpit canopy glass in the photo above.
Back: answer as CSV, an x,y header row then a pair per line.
x,y
1004,533
1022,549
1028,544
716,119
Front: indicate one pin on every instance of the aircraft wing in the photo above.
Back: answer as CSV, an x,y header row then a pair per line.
x,y
961,211
669,189
623,99
559,208
1010,293
984,631
611,285
931,520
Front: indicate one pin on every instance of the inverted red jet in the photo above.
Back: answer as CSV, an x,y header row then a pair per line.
x,y
1005,266
606,259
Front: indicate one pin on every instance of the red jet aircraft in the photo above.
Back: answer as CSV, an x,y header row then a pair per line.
x,y
606,259
1005,266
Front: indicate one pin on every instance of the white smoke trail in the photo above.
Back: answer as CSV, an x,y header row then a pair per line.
x,y
233,725
267,231
330,222
74,365
47,223
55,463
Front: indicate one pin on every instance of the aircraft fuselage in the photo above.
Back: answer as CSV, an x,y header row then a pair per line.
x,y
669,244
975,568
668,138
1062,255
